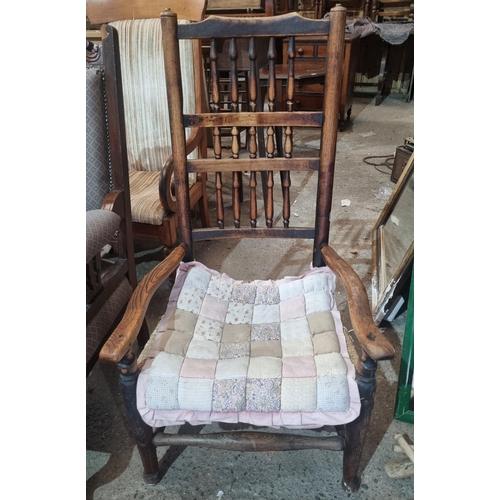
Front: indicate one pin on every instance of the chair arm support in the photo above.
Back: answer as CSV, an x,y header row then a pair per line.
x,y
167,199
124,335
115,202
372,340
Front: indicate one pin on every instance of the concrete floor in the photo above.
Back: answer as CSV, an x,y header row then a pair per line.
x,y
113,465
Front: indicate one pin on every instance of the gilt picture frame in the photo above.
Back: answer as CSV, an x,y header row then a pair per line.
x,y
393,246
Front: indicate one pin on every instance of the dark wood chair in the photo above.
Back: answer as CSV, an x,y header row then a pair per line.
x,y
392,11
110,276
261,353
354,8
146,117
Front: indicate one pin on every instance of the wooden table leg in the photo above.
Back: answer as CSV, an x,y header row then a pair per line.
x,y
382,74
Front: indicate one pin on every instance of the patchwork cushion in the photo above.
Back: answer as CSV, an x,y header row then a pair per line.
x,y
266,353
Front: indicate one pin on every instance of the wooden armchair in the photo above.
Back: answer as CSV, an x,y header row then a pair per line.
x,y
261,353
149,150
110,263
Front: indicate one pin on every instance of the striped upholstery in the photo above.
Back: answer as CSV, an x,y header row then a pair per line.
x,y
98,175
144,198
146,111
145,92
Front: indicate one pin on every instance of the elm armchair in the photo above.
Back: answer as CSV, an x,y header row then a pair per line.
x,y
266,353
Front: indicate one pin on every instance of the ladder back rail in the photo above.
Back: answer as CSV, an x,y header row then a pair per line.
x,y
269,134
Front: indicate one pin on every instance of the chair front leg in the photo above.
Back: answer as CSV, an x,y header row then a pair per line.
x,y
355,432
143,433
143,336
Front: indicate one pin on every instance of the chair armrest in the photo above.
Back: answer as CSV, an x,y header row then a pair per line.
x,y
372,340
124,335
114,201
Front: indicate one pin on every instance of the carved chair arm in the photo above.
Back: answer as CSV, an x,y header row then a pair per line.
x,y
372,340
167,199
124,335
114,201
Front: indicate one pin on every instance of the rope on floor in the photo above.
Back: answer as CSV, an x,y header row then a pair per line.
x,y
386,163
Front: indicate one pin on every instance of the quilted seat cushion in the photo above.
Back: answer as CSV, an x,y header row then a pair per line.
x,y
266,353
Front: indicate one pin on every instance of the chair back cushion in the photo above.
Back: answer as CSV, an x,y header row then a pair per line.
x,y
145,95
98,167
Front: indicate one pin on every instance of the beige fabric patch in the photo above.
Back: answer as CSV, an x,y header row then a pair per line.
x,y
236,333
178,343
329,365
266,348
264,367
320,322
325,342
183,321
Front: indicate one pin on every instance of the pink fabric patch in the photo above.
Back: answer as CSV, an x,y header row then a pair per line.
x,y
299,366
198,368
293,308
214,308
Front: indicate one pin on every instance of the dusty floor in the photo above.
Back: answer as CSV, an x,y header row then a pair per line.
x,y
113,465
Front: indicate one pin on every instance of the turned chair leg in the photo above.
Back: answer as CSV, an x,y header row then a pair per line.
x,y
203,204
143,433
355,432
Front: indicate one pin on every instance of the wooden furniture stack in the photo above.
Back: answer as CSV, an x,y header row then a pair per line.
x,y
310,58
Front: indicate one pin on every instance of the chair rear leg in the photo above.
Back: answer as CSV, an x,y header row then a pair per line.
x,y
143,433
355,432
203,203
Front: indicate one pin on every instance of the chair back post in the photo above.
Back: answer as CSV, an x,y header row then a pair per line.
x,y
117,138
175,102
329,129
